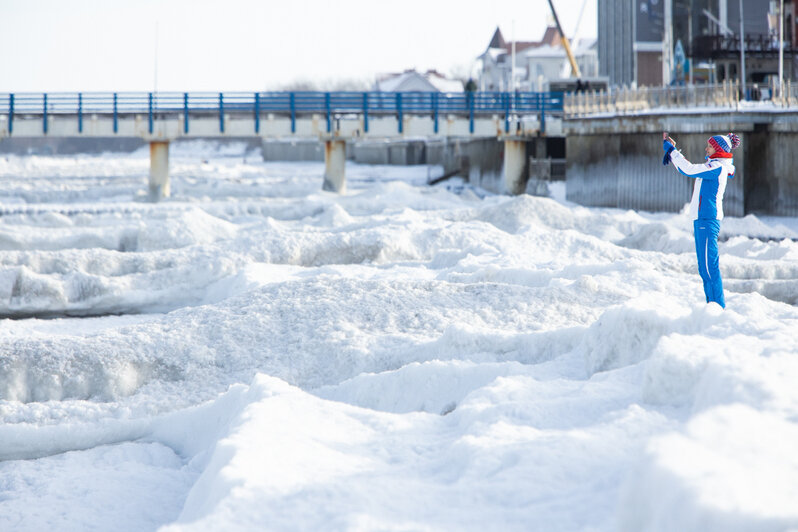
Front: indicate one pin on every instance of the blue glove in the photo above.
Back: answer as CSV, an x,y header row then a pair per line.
x,y
668,147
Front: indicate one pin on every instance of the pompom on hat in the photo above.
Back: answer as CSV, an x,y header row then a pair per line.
x,y
724,144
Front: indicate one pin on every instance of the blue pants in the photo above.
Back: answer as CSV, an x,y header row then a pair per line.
x,y
706,249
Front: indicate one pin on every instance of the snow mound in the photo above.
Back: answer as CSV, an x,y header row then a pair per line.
x,y
631,333
659,237
732,469
149,477
753,227
435,387
515,214
189,227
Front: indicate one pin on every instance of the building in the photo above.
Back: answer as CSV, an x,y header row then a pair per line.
x,y
412,81
630,37
701,44
496,61
536,62
616,41
720,47
545,64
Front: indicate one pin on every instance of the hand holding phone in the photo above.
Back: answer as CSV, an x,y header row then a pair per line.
x,y
668,144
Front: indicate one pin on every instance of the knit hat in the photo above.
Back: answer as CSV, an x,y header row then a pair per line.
x,y
724,144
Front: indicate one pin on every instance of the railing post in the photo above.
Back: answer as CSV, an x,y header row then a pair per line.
x,y
257,112
506,98
435,111
327,110
44,115
542,101
292,104
625,97
739,85
399,110
80,112
221,112
470,111
185,113
365,112
10,113
116,117
149,109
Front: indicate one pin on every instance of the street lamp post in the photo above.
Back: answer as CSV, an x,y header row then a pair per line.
x,y
667,43
781,47
689,9
742,50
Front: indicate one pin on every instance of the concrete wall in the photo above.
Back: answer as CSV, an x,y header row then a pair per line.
x,y
612,169
478,160
292,150
402,152
772,186
626,171
482,162
68,145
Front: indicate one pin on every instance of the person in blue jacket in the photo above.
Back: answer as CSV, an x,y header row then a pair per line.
x,y
706,206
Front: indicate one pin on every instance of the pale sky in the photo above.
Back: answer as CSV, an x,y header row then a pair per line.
x,y
248,45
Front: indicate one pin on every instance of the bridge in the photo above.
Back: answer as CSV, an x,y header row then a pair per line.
x,y
331,117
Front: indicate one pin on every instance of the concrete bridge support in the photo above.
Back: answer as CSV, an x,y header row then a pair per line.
x,y
515,165
334,166
159,170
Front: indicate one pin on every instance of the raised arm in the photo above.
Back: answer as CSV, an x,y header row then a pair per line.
x,y
685,167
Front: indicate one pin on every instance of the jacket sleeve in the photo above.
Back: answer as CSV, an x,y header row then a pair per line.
x,y
703,171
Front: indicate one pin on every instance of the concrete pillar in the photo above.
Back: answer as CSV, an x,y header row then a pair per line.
x,y
539,170
540,148
515,166
159,170
334,166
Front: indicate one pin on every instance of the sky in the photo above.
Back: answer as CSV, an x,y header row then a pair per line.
x,y
203,45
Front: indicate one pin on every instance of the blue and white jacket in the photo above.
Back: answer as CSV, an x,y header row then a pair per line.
x,y
710,184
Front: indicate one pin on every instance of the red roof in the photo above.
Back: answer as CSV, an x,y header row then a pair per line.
x,y
551,37
522,45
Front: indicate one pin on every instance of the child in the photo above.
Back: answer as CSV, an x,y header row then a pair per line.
x,y
706,206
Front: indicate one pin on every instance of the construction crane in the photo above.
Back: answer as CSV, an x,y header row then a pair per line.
x,y
574,67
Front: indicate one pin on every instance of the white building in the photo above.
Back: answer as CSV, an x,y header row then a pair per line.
x,y
536,63
410,80
545,63
495,63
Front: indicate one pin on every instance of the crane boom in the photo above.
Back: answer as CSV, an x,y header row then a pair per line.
x,y
574,67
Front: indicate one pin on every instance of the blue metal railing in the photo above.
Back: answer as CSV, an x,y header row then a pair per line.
x,y
291,104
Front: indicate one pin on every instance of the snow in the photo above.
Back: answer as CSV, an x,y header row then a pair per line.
x,y
255,353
